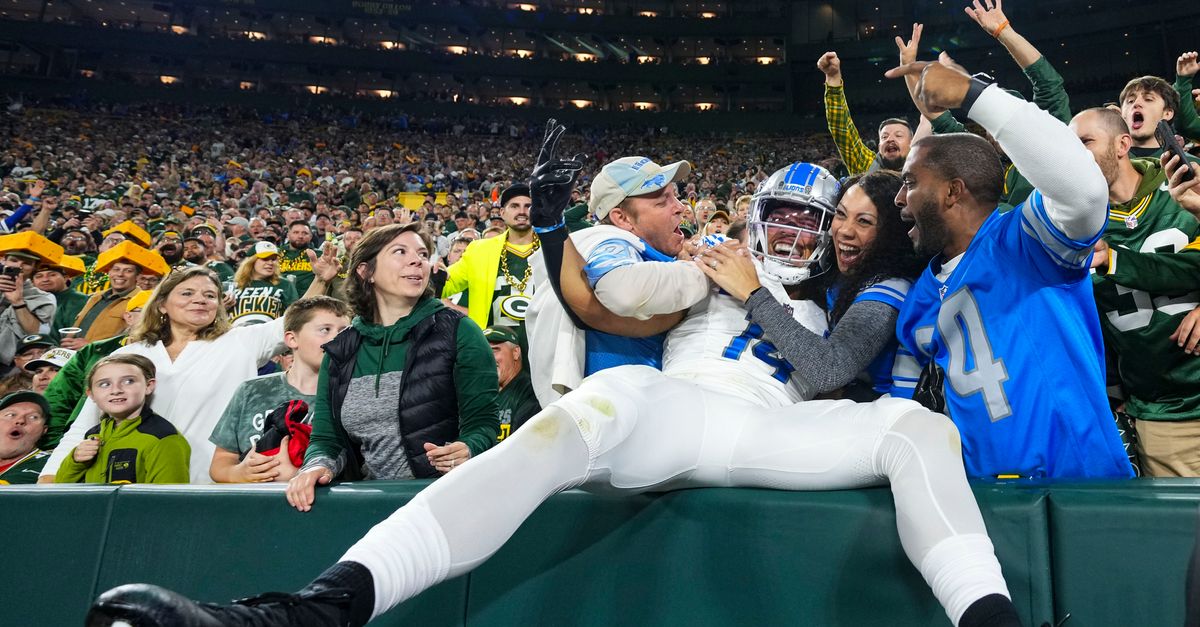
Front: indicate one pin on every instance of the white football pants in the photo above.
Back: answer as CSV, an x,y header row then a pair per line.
x,y
634,429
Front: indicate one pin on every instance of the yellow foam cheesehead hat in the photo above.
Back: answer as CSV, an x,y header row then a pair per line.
x,y
131,229
139,300
32,245
71,266
129,252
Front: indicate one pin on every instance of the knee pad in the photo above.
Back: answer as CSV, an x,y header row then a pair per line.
x,y
911,429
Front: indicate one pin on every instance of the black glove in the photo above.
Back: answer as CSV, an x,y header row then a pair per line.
x,y
552,181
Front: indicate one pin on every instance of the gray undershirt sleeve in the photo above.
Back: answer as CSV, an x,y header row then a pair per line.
x,y
825,364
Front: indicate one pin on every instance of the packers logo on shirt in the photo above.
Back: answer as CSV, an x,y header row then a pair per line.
x,y
513,307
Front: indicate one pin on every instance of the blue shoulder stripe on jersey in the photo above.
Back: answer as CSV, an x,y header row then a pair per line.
x,y
888,289
1065,251
608,256
1036,223
886,292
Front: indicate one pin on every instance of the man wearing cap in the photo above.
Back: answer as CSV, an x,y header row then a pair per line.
x,y
496,272
170,246
66,393
629,260
26,309
214,248
55,279
718,223
45,368
30,348
23,414
194,253
516,401
101,317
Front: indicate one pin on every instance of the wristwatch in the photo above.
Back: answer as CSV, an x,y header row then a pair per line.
x,y
979,82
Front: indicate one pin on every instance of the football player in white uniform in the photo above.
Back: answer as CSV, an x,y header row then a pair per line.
x,y
723,412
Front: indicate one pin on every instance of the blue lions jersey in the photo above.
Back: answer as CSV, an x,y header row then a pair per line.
x,y
605,350
1015,329
894,371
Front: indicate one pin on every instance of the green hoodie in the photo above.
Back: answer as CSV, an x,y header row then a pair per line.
x,y
383,350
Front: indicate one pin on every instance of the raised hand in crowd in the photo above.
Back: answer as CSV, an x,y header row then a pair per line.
x,y
34,190
941,84
324,266
1187,65
831,66
553,179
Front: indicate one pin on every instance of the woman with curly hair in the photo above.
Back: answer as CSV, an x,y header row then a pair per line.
x,y
862,295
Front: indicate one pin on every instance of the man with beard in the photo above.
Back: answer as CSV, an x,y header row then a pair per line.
x,y
194,253
170,246
496,272
78,242
895,135
293,262
1143,293
1003,321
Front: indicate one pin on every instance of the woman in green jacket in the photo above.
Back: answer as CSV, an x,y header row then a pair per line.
x,y
409,389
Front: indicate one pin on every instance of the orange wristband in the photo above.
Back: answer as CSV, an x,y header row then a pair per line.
x,y
999,29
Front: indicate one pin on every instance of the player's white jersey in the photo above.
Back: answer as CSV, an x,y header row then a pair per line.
x,y
718,347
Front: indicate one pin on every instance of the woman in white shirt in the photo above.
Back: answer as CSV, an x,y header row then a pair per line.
x,y
200,360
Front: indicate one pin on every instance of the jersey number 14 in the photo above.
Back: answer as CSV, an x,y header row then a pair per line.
x,y
763,350
972,368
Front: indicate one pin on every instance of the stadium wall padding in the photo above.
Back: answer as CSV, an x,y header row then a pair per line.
x,y
1107,553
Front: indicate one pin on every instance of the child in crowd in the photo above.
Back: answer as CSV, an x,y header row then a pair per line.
x,y
308,324
131,444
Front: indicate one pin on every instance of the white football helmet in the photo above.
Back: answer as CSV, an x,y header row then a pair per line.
x,y
789,219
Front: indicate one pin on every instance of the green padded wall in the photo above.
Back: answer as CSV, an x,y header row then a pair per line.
x,y
725,557
1120,551
53,546
694,557
220,543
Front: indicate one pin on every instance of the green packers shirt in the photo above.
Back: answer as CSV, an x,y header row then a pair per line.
x,y
261,301
1145,294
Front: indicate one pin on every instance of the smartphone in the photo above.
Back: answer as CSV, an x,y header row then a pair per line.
x,y
1166,139
12,271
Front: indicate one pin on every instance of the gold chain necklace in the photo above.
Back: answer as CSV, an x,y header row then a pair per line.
x,y
518,286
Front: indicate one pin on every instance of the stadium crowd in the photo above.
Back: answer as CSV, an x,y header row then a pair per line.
x,y
217,295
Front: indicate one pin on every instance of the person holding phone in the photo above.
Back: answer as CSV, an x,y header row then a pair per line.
x,y
1147,258
24,309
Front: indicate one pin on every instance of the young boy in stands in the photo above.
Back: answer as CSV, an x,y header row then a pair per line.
x,y
308,324
131,444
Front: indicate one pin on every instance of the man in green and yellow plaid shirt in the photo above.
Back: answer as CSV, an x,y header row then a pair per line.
x,y
895,135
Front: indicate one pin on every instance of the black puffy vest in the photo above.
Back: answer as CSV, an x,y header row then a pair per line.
x,y
428,404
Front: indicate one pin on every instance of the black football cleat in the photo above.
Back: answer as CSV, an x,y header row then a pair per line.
x,y
145,605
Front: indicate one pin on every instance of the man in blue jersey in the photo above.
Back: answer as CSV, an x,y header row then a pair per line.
x,y
1003,321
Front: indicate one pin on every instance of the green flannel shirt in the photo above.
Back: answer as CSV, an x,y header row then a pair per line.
x,y
855,154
